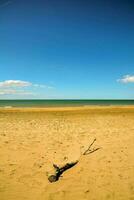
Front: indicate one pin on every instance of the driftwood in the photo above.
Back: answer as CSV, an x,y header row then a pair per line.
x,y
59,170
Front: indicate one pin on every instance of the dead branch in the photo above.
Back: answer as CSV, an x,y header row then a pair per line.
x,y
89,150
59,170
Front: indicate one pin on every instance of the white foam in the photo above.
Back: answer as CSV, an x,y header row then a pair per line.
x,y
8,106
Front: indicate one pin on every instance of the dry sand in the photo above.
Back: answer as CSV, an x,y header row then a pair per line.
x,y
31,140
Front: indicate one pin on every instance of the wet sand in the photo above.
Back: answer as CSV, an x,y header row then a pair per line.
x,y
32,139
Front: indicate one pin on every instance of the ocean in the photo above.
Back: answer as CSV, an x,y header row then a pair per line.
x,y
62,103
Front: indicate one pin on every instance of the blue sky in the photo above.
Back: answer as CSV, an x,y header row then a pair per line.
x,y
67,49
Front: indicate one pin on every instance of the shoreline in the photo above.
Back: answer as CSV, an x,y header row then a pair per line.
x,y
68,108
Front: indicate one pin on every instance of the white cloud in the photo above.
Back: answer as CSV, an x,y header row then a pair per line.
x,y
15,92
15,83
127,79
14,87
19,83
3,92
43,86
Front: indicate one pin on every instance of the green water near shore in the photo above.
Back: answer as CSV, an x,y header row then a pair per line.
x,y
62,103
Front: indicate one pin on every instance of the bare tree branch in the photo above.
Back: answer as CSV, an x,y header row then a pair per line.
x,y
89,150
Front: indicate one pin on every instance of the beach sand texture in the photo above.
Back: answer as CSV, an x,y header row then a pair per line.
x,y
31,140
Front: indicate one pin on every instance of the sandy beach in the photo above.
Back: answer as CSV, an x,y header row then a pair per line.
x,y
33,139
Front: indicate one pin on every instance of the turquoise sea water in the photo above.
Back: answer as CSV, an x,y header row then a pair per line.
x,y
60,103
